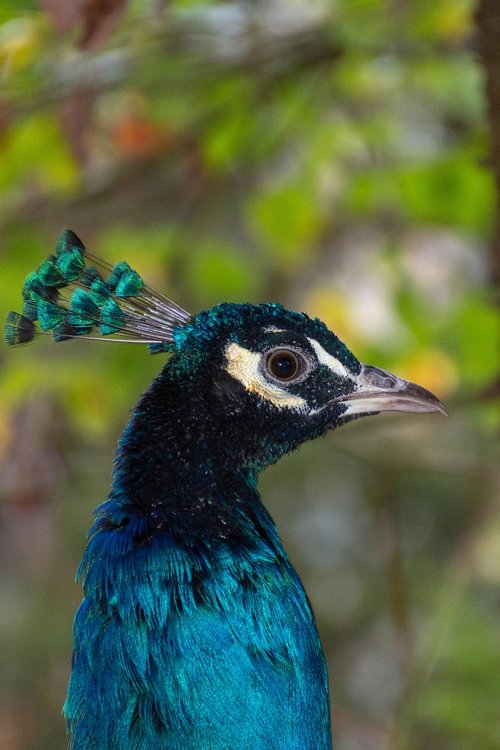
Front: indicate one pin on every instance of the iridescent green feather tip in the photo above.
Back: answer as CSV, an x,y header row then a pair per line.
x,y
18,329
76,294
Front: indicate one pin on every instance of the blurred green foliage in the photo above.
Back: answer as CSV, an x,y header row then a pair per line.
x,y
331,156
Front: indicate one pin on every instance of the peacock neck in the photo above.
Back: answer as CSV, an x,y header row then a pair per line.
x,y
178,470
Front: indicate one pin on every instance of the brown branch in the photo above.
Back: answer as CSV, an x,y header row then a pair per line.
x,y
488,25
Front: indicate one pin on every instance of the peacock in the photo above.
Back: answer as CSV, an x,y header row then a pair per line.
x,y
195,632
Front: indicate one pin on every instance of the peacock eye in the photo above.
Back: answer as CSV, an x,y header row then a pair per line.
x,y
284,364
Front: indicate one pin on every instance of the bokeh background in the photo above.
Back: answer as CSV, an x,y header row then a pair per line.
x,y
337,156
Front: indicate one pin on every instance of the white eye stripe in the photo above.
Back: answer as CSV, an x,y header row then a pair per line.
x,y
244,365
327,359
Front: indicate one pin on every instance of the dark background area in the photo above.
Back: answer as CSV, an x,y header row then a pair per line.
x,y
341,158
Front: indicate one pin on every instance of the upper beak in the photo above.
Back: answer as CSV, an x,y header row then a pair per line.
x,y
378,390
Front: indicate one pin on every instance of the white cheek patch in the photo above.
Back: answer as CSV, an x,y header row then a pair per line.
x,y
327,359
244,365
361,406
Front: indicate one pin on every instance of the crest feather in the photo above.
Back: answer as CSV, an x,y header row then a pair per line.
x,y
74,299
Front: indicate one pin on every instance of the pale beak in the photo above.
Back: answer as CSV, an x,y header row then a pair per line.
x,y
378,390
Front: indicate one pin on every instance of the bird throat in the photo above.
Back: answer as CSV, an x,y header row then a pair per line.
x,y
177,471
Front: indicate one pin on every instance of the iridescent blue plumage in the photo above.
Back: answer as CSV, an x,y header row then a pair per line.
x,y
195,632
195,647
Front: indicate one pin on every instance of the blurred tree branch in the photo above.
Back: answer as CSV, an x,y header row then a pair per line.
x,y
97,19
488,23
212,40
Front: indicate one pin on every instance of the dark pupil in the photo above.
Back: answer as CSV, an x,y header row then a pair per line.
x,y
283,365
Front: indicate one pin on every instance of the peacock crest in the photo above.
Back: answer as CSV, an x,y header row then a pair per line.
x,y
75,294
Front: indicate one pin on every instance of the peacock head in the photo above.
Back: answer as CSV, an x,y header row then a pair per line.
x,y
283,377
271,376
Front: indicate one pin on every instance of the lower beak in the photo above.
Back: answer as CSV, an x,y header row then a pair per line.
x,y
378,390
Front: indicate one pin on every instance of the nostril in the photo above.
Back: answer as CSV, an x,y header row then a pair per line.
x,y
378,378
